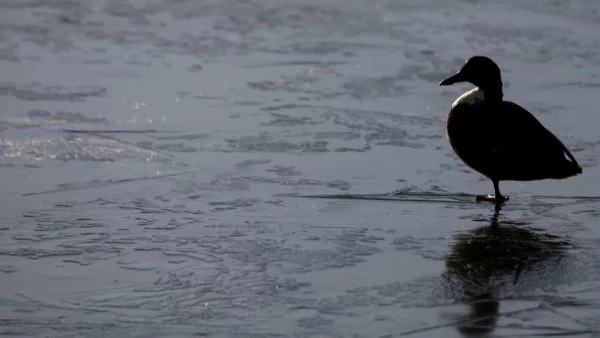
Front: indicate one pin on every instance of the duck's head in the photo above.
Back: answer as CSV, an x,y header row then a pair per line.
x,y
480,71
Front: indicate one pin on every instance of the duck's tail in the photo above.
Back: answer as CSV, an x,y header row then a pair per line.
x,y
568,168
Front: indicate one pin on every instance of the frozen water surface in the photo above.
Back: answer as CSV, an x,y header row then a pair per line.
x,y
156,158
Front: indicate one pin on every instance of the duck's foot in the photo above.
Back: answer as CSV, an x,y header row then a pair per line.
x,y
491,198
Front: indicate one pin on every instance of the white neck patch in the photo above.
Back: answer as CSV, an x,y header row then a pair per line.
x,y
470,98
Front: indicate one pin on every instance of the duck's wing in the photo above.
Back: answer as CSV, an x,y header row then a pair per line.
x,y
523,149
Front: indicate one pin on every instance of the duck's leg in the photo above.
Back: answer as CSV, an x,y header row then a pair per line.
x,y
496,198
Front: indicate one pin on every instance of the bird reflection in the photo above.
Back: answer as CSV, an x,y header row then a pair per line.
x,y
493,258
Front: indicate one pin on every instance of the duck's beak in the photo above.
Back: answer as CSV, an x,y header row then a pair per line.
x,y
458,77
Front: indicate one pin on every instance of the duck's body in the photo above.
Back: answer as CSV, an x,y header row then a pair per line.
x,y
504,141
498,138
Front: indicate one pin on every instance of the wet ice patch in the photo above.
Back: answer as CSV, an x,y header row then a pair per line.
x,y
251,163
268,143
184,137
167,147
40,92
282,120
235,204
7,268
72,149
40,116
284,171
340,135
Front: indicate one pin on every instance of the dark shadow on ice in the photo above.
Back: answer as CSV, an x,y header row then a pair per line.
x,y
443,197
493,259
402,196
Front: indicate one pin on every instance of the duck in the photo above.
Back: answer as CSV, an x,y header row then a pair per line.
x,y
500,139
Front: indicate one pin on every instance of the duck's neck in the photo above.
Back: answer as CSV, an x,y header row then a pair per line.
x,y
493,93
